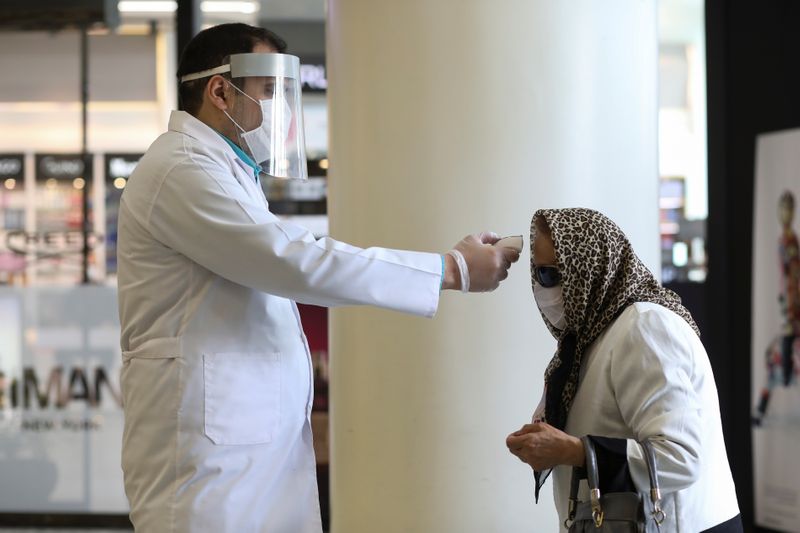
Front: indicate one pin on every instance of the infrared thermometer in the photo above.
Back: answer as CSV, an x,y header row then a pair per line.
x,y
515,242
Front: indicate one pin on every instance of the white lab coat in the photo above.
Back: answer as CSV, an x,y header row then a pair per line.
x,y
648,376
216,376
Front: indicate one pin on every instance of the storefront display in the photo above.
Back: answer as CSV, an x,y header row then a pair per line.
x,y
12,216
60,413
59,241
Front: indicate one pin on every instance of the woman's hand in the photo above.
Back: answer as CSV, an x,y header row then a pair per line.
x,y
542,446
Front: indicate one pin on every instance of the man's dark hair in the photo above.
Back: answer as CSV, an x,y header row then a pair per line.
x,y
211,48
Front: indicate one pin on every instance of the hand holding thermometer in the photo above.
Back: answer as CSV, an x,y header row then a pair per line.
x,y
514,242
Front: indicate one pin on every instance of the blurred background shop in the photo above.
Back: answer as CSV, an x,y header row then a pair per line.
x,y
87,85
60,415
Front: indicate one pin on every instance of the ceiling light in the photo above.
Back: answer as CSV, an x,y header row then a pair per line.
x,y
245,8
141,6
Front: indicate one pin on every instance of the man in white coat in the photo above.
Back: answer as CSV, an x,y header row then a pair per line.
x,y
216,377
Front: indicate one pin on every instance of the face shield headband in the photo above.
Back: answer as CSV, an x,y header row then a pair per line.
x,y
278,144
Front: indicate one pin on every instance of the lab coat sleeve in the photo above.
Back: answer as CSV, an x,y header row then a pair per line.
x,y
202,212
651,374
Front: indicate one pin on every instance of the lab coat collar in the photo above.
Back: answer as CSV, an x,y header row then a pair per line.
x,y
187,124
183,122
243,156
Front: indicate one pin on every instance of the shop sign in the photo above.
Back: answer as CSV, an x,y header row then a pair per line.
x,y
120,165
59,166
12,166
57,389
49,243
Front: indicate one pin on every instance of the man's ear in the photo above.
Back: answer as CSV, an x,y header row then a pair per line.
x,y
217,92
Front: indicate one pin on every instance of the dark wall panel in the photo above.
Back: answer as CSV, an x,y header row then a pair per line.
x,y
753,53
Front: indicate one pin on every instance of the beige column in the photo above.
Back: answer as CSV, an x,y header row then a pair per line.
x,y
449,117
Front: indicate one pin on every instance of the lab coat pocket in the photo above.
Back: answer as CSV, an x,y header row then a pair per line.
x,y
242,397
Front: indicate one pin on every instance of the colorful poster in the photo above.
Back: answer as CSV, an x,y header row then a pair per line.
x,y
776,331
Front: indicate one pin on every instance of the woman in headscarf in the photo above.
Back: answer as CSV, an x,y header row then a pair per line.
x,y
629,366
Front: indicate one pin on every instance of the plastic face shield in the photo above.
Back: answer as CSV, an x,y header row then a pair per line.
x,y
283,134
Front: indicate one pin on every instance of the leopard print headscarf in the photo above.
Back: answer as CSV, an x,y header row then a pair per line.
x,y
600,277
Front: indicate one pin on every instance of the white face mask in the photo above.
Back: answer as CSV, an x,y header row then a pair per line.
x,y
259,140
551,304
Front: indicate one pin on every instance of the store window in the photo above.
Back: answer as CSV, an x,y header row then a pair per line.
x,y
60,360
683,198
